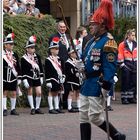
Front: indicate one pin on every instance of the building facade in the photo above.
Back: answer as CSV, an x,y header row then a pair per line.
x,y
78,11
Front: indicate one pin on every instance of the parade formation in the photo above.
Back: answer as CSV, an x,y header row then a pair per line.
x,y
84,71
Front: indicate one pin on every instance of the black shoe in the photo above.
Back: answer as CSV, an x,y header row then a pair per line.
x,y
74,107
38,111
53,111
5,112
14,112
59,111
125,101
132,101
119,136
73,110
109,108
32,111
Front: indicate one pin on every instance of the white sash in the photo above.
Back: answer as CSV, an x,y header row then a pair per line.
x,y
32,62
10,64
72,62
55,65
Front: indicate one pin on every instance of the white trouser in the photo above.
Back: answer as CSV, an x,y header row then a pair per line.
x,y
91,110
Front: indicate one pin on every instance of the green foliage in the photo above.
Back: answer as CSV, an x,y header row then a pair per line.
x,y
121,26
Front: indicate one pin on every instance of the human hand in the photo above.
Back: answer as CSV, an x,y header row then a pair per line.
x,y
62,79
80,65
26,84
49,85
115,79
41,80
18,82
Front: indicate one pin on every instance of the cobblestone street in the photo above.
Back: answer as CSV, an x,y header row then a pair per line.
x,y
66,126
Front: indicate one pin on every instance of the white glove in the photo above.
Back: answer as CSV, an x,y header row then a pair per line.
x,y
105,92
49,85
80,65
41,80
115,79
77,74
26,84
62,79
19,91
18,82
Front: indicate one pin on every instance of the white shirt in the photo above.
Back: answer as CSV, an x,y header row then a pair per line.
x,y
130,45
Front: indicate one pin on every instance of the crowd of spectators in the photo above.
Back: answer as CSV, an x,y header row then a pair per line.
x,y
15,7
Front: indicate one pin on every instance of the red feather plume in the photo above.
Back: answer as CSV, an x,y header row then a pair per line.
x,y
56,39
104,14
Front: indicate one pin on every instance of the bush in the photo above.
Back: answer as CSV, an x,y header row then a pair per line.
x,y
121,26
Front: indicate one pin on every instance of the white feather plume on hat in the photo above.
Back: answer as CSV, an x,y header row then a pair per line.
x,y
31,41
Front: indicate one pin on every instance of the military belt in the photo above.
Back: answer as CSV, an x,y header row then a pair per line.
x,y
93,74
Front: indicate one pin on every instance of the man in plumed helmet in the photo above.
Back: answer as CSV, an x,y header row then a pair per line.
x,y
32,74
100,59
11,74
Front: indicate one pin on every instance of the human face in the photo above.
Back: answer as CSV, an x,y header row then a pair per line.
x,y
132,36
31,50
94,28
73,55
84,33
62,27
54,51
5,3
9,47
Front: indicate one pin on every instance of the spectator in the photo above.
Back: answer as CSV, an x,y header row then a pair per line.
x,y
31,9
21,7
80,34
7,8
32,72
127,60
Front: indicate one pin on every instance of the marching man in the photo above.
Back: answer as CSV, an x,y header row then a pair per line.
x,y
100,59
11,74
32,72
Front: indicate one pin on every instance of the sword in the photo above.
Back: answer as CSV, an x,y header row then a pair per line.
x,y
107,118
106,112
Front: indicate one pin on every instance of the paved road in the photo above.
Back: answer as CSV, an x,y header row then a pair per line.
x,y
66,126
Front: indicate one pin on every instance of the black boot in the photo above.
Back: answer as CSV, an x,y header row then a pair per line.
x,y
85,130
114,134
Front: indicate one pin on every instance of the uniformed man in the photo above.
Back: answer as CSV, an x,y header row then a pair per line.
x,y
100,59
32,72
11,74
127,60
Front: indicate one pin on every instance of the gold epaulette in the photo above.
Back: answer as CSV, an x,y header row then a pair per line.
x,y
109,35
110,46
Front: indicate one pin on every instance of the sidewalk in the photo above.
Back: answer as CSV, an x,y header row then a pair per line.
x,y
66,126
